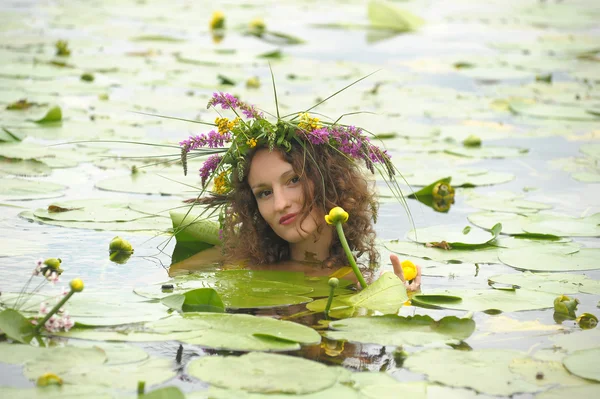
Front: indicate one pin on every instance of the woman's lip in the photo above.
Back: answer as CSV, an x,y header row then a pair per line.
x,y
287,219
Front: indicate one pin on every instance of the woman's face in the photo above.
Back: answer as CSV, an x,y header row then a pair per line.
x,y
280,197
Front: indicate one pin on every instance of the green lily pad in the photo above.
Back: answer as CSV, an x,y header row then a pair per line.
x,y
578,340
168,183
584,391
53,115
487,254
486,300
556,283
564,226
551,258
188,227
243,289
458,238
384,15
539,224
89,210
487,152
485,370
15,326
504,202
238,332
552,111
163,393
264,373
398,330
463,177
553,371
151,224
21,189
55,392
584,363
28,167
386,295
198,300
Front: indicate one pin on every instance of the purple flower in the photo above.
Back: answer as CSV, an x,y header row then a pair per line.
x,y
212,140
317,136
209,166
228,101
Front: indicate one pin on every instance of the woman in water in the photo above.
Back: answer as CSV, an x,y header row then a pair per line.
x,y
275,183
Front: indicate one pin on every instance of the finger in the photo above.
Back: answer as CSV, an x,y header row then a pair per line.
x,y
397,267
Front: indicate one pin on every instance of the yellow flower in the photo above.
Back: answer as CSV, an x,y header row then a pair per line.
x,y
409,270
224,125
217,21
307,122
76,285
336,215
220,186
251,143
47,379
257,26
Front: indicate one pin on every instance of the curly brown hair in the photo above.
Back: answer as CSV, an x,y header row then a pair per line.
x,y
337,181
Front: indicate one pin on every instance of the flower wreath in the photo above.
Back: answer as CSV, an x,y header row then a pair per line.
x,y
232,140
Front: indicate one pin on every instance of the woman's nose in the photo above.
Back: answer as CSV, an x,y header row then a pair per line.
x,y
281,200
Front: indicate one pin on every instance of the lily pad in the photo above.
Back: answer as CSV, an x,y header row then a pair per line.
x,y
486,300
556,283
504,202
553,372
487,254
485,370
458,238
21,189
55,392
152,224
215,330
398,330
384,15
89,210
552,258
168,183
487,152
584,391
578,340
386,295
585,364
564,226
463,177
264,373
243,289
552,111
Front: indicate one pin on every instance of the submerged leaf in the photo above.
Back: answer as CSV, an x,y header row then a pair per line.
x,y
52,116
385,15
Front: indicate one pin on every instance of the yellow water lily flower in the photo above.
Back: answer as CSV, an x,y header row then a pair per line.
x,y
217,20
409,269
48,379
337,214
76,285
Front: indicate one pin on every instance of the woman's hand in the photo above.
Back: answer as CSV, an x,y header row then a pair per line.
x,y
416,282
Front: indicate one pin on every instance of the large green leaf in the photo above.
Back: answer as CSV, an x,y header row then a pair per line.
x,y
89,210
556,283
504,202
55,392
250,288
584,363
188,227
551,258
485,370
384,15
479,255
21,189
456,237
198,300
386,295
398,330
163,393
264,373
215,330
584,391
578,340
15,326
486,300
552,111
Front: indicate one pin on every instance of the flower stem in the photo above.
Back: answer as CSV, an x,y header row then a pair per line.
x,y
53,311
329,301
349,255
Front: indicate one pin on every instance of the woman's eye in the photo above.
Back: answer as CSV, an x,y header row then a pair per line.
x,y
263,194
295,179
